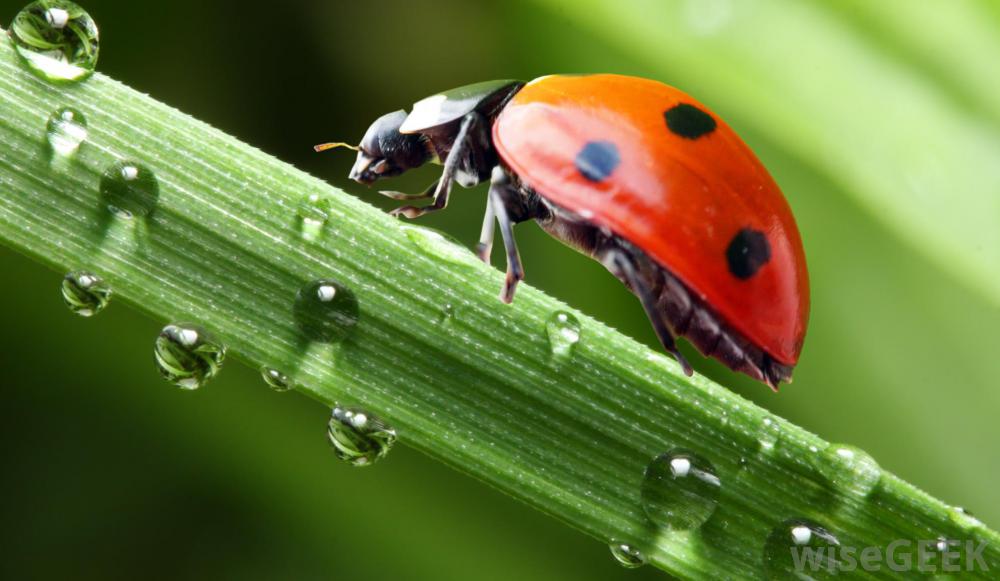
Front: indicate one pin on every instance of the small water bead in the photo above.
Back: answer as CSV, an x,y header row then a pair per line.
x,y
326,311
66,131
440,245
789,546
680,490
964,518
852,469
626,555
358,437
85,293
275,379
187,355
769,435
129,189
314,208
57,39
447,313
563,330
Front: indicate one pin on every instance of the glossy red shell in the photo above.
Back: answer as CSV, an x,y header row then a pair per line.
x,y
681,200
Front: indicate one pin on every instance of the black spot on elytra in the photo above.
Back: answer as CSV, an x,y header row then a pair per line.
x,y
747,252
597,160
688,121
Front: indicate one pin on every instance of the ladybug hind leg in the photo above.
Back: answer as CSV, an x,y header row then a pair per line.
x,y
470,131
623,267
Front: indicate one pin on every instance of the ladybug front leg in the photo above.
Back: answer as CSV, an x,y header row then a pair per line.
x,y
427,193
621,265
503,203
471,125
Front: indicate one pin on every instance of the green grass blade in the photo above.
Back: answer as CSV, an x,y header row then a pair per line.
x,y
479,391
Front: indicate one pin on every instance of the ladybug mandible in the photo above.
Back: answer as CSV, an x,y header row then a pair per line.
x,y
635,174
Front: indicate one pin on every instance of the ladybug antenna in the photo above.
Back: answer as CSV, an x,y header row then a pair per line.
x,y
326,146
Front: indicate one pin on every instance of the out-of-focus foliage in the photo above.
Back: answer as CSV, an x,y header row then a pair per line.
x,y
878,119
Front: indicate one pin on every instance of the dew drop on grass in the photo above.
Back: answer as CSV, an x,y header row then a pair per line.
x,y
770,433
275,379
85,293
187,355
358,437
680,490
66,131
326,311
447,313
563,330
56,39
626,555
794,541
440,245
852,469
129,189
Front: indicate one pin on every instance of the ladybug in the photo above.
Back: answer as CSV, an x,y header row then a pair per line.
x,y
634,173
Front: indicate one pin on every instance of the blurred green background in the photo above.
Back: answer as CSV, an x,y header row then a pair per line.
x,y
880,120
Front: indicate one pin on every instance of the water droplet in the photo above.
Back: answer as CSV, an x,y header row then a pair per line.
x,y
326,311
964,518
129,189
314,208
275,379
66,131
769,434
447,313
85,293
680,490
563,330
787,545
440,244
358,437
56,39
852,468
187,355
627,555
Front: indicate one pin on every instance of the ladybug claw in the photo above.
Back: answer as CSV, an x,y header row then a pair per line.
x,y
483,251
509,286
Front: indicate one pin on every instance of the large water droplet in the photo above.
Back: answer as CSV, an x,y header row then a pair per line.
x,y
563,330
275,379
680,490
358,437
852,469
326,311
187,355
626,555
790,545
85,293
129,189
66,131
56,39
440,244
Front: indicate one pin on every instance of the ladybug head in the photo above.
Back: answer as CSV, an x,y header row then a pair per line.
x,y
385,152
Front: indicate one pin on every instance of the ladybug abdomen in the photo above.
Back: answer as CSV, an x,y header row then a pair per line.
x,y
654,167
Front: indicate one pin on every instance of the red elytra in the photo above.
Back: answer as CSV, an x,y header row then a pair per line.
x,y
637,174
680,199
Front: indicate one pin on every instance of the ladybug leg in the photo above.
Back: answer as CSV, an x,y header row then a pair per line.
x,y
470,123
427,193
503,203
623,267
485,246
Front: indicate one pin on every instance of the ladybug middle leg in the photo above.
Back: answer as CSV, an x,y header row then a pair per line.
x,y
621,264
508,206
471,131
